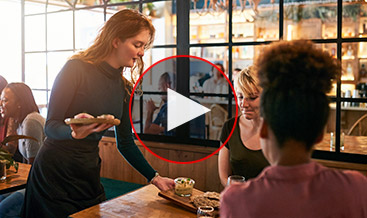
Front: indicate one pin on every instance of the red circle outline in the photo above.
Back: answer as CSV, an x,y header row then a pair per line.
x,y
132,97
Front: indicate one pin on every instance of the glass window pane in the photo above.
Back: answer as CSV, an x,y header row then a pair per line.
x,y
328,142
10,43
156,54
354,19
35,33
135,113
151,81
35,70
159,117
88,3
58,5
208,24
40,97
353,135
162,19
203,76
87,25
32,7
255,22
309,21
214,119
56,61
60,30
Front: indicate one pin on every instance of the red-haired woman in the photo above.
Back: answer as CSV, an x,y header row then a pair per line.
x,y
65,176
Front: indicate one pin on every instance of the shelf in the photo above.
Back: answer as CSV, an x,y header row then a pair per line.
x,y
348,58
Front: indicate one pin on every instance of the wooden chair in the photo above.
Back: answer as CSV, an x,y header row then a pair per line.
x,y
217,116
359,128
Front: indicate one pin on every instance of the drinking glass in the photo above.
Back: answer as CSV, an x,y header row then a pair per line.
x,y
235,179
2,170
205,211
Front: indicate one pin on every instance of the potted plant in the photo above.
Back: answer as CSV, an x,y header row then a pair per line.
x,y
7,157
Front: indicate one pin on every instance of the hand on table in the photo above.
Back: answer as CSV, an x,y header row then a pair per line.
x,y
163,183
82,131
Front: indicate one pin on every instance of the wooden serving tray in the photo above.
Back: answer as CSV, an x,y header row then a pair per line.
x,y
181,201
85,121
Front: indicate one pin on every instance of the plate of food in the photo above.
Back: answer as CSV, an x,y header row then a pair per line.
x,y
86,121
186,196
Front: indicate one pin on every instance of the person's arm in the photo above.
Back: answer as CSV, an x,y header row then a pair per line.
x,y
127,147
33,128
224,166
150,127
62,94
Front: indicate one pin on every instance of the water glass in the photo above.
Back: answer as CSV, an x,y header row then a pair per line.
x,y
235,179
205,211
2,170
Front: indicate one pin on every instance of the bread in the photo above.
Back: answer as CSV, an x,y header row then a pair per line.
x,y
206,199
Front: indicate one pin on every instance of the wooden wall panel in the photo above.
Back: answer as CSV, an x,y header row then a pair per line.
x,y
205,173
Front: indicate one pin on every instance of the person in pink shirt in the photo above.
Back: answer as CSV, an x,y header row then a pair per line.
x,y
295,77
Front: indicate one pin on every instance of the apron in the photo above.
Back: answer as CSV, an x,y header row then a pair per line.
x,y
64,179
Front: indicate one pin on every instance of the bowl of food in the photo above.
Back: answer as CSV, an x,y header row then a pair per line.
x,y
184,186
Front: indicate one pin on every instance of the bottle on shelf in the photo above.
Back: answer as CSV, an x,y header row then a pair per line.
x,y
350,51
362,71
355,95
349,75
347,95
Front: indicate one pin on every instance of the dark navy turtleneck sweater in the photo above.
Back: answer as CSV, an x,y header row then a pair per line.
x,y
96,90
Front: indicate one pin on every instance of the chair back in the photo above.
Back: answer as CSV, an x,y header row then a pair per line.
x,y
217,116
359,128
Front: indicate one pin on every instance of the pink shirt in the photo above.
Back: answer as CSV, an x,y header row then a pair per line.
x,y
308,190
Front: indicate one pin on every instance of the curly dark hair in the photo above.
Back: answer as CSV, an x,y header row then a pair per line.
x,y
295,77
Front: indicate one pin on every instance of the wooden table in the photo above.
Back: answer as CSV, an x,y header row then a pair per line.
x,y
15,181
143,202
352,144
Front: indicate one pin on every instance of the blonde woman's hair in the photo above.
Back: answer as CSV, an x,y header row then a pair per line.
x,y
124,24
247,82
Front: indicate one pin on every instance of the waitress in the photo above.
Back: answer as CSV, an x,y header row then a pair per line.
x,y
65,177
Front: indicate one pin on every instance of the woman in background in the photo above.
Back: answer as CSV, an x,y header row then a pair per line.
x,y
3,121
8,127
17,102
217,83
242,154
65,177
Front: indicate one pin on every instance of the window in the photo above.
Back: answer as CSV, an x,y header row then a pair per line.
x,y
232,36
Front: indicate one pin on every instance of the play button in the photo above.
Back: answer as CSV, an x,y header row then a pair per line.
x,y
181,109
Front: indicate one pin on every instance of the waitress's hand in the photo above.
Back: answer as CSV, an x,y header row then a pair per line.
x,y
163,183
81,131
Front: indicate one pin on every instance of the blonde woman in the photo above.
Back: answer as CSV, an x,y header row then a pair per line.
x,y
242,154
65,176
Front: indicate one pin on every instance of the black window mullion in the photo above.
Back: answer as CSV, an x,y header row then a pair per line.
x,y
230,71
338,83
183,64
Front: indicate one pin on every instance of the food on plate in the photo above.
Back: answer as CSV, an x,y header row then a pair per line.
x,y
206,199
106,116
184,186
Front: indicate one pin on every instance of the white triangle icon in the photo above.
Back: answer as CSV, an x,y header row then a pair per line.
x,y
181,109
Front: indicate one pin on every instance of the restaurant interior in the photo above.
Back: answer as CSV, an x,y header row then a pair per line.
x,y
39,36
